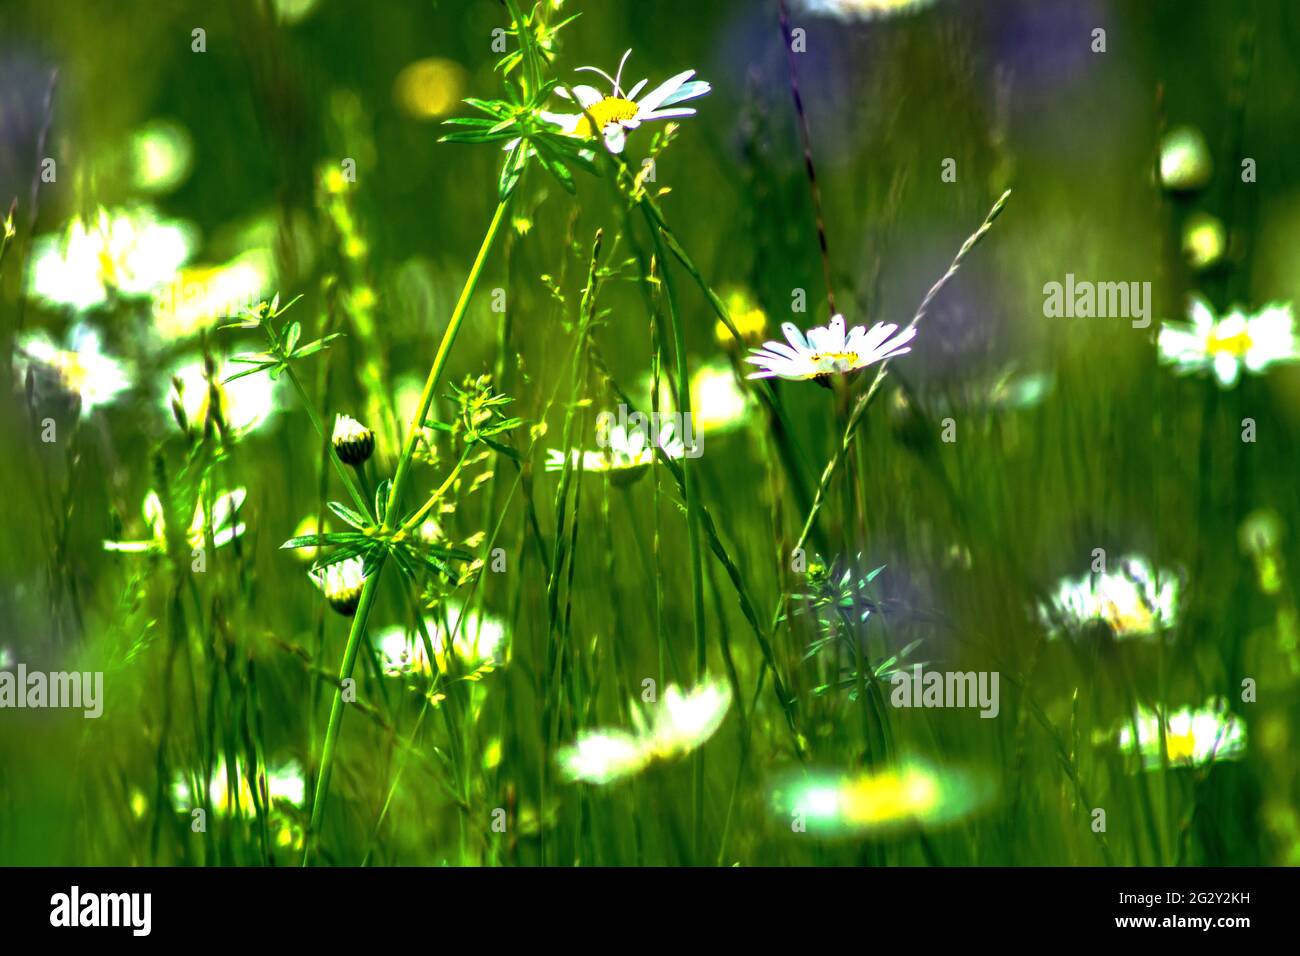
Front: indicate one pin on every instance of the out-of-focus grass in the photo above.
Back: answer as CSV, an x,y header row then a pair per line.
x,y
237,664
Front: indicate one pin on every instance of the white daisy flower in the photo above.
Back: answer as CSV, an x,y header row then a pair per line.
x,y
613,115
1192,737
245,404
625,453
829,351
1228,344
127,252
1137,600
680,723
94,377
222,519
480,640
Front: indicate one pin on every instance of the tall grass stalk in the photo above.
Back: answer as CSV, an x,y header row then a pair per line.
x,y
392,513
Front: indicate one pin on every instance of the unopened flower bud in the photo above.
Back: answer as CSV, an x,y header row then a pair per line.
x,y
1185,163
353,441
178,404
341,584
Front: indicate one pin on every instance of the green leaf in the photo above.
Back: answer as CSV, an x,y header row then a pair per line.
x,y
497,108
468,121
358,521
346,551
503,449
474,137
381,499
557,169
322,540
403,561
250,371
373,557
511,171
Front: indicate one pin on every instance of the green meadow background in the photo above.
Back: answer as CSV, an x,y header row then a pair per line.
x,y
1117,452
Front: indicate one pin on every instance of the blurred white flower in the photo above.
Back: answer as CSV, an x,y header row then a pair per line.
x,y
1229,344
1192,737
244,404
126,252
222,518
684,720
625,453
602,756
860,9
284,783
680,723
480,640
1138,600
81,369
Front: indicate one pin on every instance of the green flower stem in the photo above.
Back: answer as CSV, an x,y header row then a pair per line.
x,y
368,592
343,474
439,362
394,499
691,494
411,523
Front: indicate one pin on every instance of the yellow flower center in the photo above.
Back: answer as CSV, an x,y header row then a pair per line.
x,y
1135,619
1238,344
611,109
72,371
1180,747
109,268
888,797
835,361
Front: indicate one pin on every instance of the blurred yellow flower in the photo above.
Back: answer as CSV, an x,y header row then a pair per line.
x,y
162,153
1185,159
911,794
430,88
746,315
1204,240
202,295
